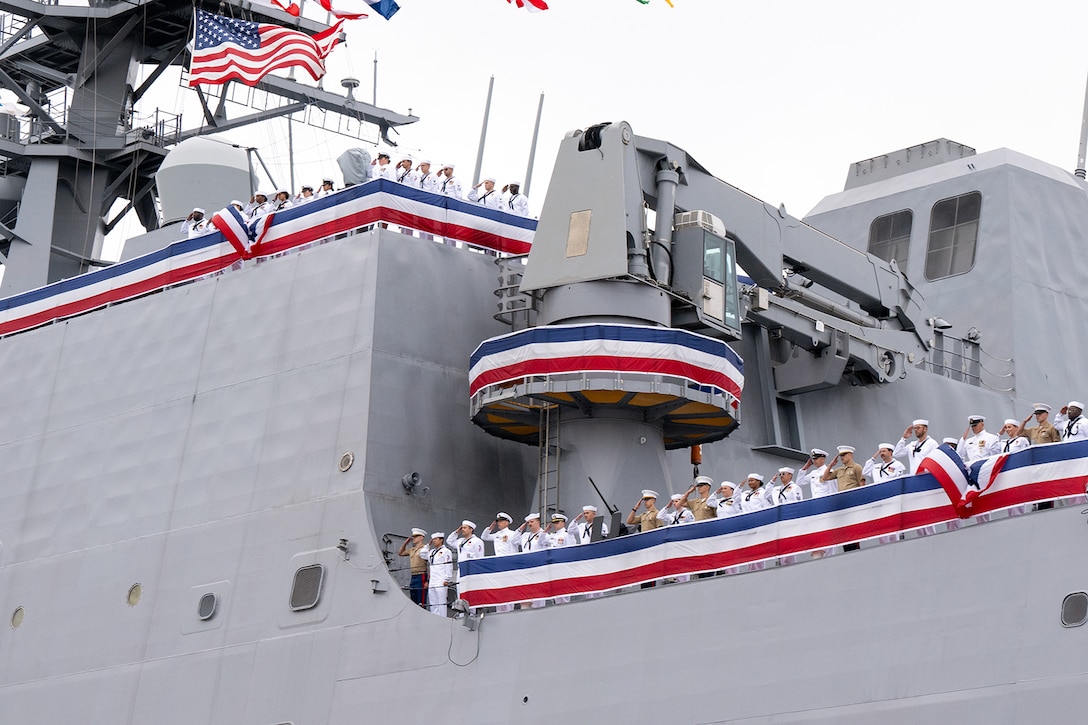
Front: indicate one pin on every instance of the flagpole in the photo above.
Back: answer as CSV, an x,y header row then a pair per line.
x,y
532,148
483,133
375,103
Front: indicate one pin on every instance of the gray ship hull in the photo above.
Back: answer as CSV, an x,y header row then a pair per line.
x,y
189,442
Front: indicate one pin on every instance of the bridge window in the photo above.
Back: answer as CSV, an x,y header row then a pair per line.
x,y
953,235
889,237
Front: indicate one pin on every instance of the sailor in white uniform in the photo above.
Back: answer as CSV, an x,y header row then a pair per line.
x,y
817,486
919,449
439,572
502,537
1070,423
505,540
785,491
403,172
466,543
976,442
1012,442
195,224
448,184
326,188
675,513
753,497
513,200
583,529
257,206
281,200
722,500
556,536
532,536
485,194
817,462
880,468
381,168
423,179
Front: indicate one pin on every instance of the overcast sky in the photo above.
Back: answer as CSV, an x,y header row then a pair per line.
x,y
776,97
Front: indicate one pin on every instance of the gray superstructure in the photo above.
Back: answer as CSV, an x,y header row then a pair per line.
x,y
170,464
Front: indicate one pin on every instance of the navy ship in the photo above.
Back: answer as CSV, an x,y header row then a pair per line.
x,y
212,450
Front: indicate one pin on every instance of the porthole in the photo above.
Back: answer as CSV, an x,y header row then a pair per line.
x,y
17,617
1075,609
346,460
207,606
134,593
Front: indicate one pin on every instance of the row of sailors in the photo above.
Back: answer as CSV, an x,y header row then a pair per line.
x,y
509,199
197,224
432,563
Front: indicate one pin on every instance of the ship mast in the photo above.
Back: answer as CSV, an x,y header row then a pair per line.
x,y
76,69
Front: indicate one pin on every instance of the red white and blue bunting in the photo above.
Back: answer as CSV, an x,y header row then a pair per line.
x,y
1038,473
558,349
191,259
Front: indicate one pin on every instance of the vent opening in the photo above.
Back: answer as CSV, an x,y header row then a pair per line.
x,y
207,606
306,589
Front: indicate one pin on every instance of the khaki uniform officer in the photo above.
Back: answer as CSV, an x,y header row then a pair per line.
x,y
647,521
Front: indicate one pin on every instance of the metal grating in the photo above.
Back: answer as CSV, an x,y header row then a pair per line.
x,y
207,606
306,589
1075,609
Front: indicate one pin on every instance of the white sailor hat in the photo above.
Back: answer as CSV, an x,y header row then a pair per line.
x,y
437,535
282,191
588,509
1041,407
889,446
921,421
785,469
383,153
647,493
1010,421
558,517
730,484
755,476
532,517
197,208
327,181
676,497
950,441
514,183
704,481
424,162
235,202
972,419
447,166
504,515
845,449
418,532
817,452
1075,404
468,523
490,178
265,194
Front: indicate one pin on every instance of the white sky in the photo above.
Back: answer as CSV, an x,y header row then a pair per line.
x,y
776,97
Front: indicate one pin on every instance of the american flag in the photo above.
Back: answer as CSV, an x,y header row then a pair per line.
x,y
226,49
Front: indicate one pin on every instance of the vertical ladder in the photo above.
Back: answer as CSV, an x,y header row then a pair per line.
x,y
548,465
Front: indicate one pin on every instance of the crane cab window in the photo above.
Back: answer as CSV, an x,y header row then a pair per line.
x,y
889,237
953,236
